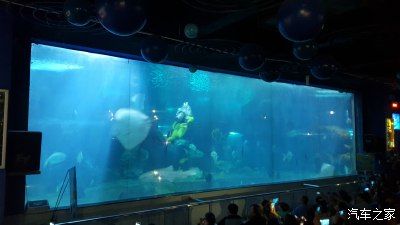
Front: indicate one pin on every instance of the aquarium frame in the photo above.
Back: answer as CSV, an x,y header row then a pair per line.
x,y
356,104
4,136
213,190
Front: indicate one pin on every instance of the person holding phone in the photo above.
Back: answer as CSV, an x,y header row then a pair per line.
x,y
322,216
301,210
270,211
233,217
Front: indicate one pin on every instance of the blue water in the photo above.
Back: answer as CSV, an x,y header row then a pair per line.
x,y
125,126
396,121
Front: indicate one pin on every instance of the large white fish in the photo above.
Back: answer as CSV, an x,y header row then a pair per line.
x,y
327,170
171,175
131,127
55,158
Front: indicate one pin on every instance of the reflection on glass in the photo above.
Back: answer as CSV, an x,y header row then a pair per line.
x,y
135,129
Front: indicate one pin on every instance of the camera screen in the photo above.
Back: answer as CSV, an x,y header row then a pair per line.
x,y
324,221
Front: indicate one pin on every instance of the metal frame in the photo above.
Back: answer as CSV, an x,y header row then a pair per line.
x,y
4,137
197,202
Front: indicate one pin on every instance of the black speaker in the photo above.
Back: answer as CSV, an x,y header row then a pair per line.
x,y
23,152
374,144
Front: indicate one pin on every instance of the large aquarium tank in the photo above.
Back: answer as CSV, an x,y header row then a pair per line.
x,y
137,130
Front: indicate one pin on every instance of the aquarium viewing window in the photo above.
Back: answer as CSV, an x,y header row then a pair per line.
x,y
3,126
396,121
137,130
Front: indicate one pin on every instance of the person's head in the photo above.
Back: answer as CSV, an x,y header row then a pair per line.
x,y
233,209
333,199
364,196
209,219
264,203
338,220
318,199
341,206
290,220
283,207
310,214
345,196
267,206
256,210
304,200
180,116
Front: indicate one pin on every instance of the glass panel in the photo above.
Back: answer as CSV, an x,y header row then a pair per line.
x,y
135,129
3,126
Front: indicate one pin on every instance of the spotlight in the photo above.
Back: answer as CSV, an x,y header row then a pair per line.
x,y
395,105
331,112
191,30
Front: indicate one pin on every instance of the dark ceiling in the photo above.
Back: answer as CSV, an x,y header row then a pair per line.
x,y
363,35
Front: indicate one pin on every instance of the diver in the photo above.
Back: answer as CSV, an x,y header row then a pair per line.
x,y
184,118
180,153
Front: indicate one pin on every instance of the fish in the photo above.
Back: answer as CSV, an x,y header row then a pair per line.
x,y
79,157
346,170
287,157
54,159
51,66
327,170
171,109
184,160
234,134
75,113
235,138
298,133
193,152
130,127
339,131
330,94
216,135
170,175
214,156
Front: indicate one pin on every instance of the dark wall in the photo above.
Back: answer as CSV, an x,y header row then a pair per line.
x,y
5,49
5,80
18,109
376,108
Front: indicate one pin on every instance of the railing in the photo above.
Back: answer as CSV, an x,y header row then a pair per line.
x,y
197,202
